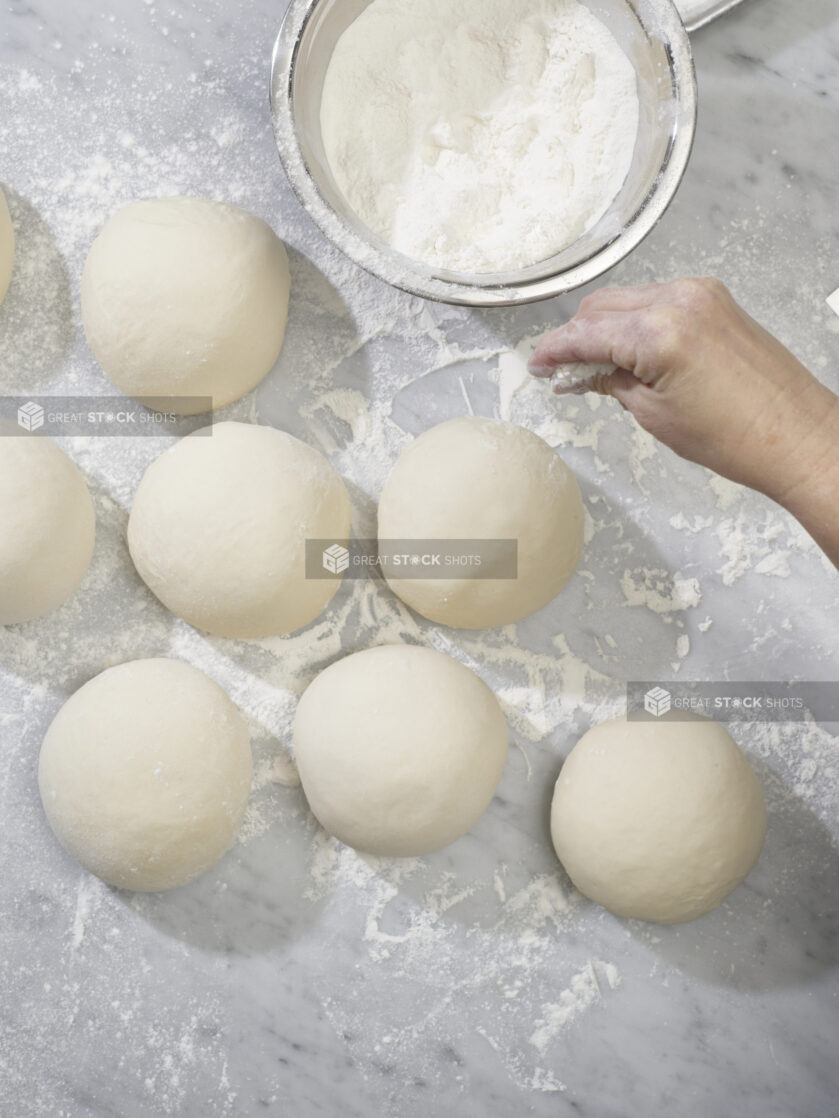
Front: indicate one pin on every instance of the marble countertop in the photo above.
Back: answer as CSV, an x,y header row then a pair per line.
x,y
298,978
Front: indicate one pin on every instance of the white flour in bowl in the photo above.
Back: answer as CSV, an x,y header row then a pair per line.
x,y
482,136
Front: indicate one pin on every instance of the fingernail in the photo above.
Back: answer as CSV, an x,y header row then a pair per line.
x,y
537,369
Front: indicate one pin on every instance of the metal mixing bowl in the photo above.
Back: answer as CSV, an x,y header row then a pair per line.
x,y
654,39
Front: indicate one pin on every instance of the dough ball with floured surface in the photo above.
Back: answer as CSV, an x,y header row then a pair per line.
x,y
184,298
47,527
219,525
658,820
145,774
399,748
484,479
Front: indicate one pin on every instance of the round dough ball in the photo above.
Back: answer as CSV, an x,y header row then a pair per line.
x,y
219,526
484,479
7,247
48,527
185,297
658,820
145,774
399,748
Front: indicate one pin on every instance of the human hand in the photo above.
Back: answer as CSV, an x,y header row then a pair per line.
x,y
702,376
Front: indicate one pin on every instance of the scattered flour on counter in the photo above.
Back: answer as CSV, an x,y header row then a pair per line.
x,y
727,492
512,375
583,991
415,922
644,447
346,404
659,591
776,564
747,544
567,432
697,524
90,893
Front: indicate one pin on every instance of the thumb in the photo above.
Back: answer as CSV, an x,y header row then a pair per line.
x,y
641,400
621,384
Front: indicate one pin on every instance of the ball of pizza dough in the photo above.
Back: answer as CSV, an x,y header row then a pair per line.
x,y
658,820
7,247
185,298
145,774
483,479
219,525
399,749
48,527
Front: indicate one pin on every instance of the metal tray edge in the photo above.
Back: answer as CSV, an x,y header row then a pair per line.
x,y
713,11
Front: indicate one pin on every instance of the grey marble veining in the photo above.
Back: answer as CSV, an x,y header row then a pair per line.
x,y
298,979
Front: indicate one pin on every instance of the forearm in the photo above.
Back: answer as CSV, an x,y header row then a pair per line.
x,y
813,494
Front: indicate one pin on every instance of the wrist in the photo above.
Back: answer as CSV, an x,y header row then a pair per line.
x,y
808,481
